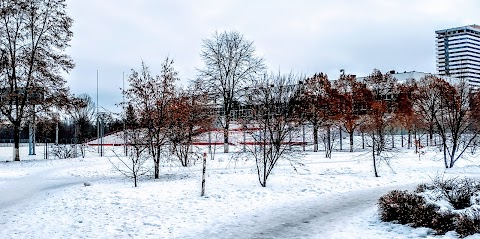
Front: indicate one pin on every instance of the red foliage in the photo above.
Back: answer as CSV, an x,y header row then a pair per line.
x,y
356,100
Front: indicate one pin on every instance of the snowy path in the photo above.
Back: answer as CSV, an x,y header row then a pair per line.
x,y
19,189
27,186
323,217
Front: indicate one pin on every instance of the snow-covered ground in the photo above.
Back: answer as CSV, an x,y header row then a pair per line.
x,y
322,198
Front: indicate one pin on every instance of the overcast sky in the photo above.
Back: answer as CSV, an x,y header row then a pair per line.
x,y
303,36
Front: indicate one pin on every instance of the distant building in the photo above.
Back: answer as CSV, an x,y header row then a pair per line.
x,y
415,75
458,53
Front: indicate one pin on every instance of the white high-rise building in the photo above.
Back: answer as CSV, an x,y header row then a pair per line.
x,y
458,53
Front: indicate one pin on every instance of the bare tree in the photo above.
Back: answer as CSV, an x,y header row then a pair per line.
x,y
130,123
82,107
33,37
230,65
82,111
427,99
329,136
274,102
457,120
134,164
151,96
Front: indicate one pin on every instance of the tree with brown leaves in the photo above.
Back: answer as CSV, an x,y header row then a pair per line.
x,y
150,96
376,124
188,118
384,89
319,105
380,116
356,100
404,114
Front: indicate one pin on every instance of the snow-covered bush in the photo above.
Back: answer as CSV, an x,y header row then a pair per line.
x,y
444,205
457,191
425,215
63,151
468,223
398,206
409,208
442,221
423,187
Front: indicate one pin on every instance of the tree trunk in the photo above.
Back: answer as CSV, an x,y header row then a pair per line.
x,y
16,142
393,140
401,134
157,169
452,160
203,173
340,133
428,141
264,184
225,139
430,134
328,145
363,140
327,142
452,154
351,140
445,152
135,179
263,177
157,163
415,140
184,155
409,139
315,137
381,143
244,131
82,150
137,156
373,155
210,141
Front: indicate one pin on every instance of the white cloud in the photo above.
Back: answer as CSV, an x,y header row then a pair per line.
x,y
303,36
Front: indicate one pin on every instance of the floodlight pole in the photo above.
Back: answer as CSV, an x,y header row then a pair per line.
x,y
31,134
98,122
102,133
124,116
